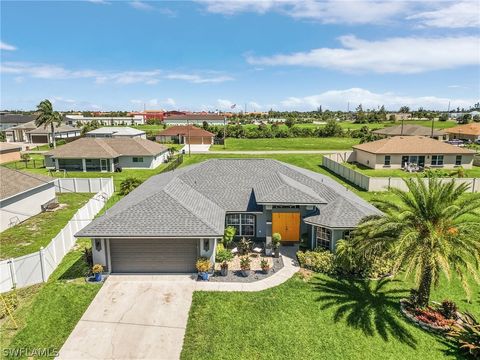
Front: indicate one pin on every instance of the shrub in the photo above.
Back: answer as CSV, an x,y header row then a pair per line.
x,y
203,264
97,268
467,336
321,261
245,263
449,309
264,265
228,235
244,245
224,255
276,238
432,317
220,247
128,185
88,257
9,303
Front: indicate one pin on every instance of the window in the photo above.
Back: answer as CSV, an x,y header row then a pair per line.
x,y
346,234
138,159
324,237
243,223
458,160
206,245
437,160
386,161
286,207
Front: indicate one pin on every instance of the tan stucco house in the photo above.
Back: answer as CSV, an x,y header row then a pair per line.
x,y
469,132
411,130
9,152
400,151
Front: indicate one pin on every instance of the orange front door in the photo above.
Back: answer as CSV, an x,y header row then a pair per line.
x,y
287,225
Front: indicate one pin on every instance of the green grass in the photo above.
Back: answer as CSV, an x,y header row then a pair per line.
x,y
287,144
28,236
325,318
48,312
469,173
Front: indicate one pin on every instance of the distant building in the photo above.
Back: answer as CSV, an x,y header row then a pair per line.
x,y
29,133
470,132
400,151
195,119
105,120
9,152
116,132
399,116
411,130
185,134
10,120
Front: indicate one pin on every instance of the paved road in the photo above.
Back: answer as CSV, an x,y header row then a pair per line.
x,y
265,152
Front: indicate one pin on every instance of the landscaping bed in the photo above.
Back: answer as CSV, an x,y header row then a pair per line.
x,y
234,273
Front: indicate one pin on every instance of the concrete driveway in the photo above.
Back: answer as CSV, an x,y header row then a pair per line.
x,y
134,317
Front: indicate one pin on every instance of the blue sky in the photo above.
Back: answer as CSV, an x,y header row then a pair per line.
x,y
208,55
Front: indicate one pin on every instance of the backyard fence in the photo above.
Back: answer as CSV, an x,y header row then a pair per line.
x,y
27,164
174,163
332,163
37,267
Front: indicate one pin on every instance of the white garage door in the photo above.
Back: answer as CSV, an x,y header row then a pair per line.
x,y
153,255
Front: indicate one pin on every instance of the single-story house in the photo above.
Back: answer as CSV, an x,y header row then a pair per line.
x,y
185,134
399,116
400,151
18,133
116,132
470,132
9,152
107,154
22,196
76,120
43,135
10,120
177,216
411,130
195,119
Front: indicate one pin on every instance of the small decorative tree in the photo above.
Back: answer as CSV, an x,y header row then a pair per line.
x,y
128,185
224,256
228,235
245,266
276,238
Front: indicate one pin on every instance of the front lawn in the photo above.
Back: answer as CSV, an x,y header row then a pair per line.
x,y
48,312
325,318
312,143
28,236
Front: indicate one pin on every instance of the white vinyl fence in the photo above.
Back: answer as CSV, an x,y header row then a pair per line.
x,y
333,163
37,267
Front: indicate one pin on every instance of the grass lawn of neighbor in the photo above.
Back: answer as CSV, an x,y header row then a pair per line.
x,y
47,313
324,318
28,236
312,143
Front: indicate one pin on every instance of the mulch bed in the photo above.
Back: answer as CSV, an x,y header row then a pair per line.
x,y
234,274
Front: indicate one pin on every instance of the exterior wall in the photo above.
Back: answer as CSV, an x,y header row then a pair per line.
x,y
8,156
212,246
191,122
365,158
25,205
149,162
337,234
99,252
464,136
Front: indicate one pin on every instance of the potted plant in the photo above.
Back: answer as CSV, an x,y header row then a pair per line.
x,y
245,266
268,249
223,257
244,246
228,235
203,266
276,238
97,272
265,266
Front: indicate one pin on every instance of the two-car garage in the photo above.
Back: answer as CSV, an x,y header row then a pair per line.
x,y
153,255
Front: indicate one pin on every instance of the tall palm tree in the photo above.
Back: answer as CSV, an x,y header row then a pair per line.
x,y
47,117
430,229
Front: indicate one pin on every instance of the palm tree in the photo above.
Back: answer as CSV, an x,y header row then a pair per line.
x,y
47,117
430,229
128,185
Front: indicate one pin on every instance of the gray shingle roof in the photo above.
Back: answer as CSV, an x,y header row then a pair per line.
x,y
193,201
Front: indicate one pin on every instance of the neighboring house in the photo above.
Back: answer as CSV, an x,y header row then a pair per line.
x,y
43,135
185,134
411,130
195,119
401,151
107,154
18,133
11,120
116,132
9,152
22,195
76,120
399,116
470,132
173,218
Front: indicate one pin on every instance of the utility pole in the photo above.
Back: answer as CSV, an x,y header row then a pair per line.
x,y
188,136
403,120
224,132
433,119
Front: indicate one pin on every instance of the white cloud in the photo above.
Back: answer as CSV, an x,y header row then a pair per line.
x,y
460,14
254,106
148,77
170,101
338,99
140,5
393,55
332,11
7,47
224,104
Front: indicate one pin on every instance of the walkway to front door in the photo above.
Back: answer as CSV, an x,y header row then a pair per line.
x,y
287,225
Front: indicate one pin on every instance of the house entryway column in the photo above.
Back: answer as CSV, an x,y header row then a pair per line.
x,y
84,165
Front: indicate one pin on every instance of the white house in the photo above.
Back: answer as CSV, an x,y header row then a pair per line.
x,y
105,120
116,132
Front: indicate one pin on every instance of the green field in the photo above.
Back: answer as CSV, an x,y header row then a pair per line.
x,y
312,143
325,318
28,236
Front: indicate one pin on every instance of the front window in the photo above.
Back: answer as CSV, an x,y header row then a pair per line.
x,y
386,161
138,159
458,160
324,237
244,224
437,160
